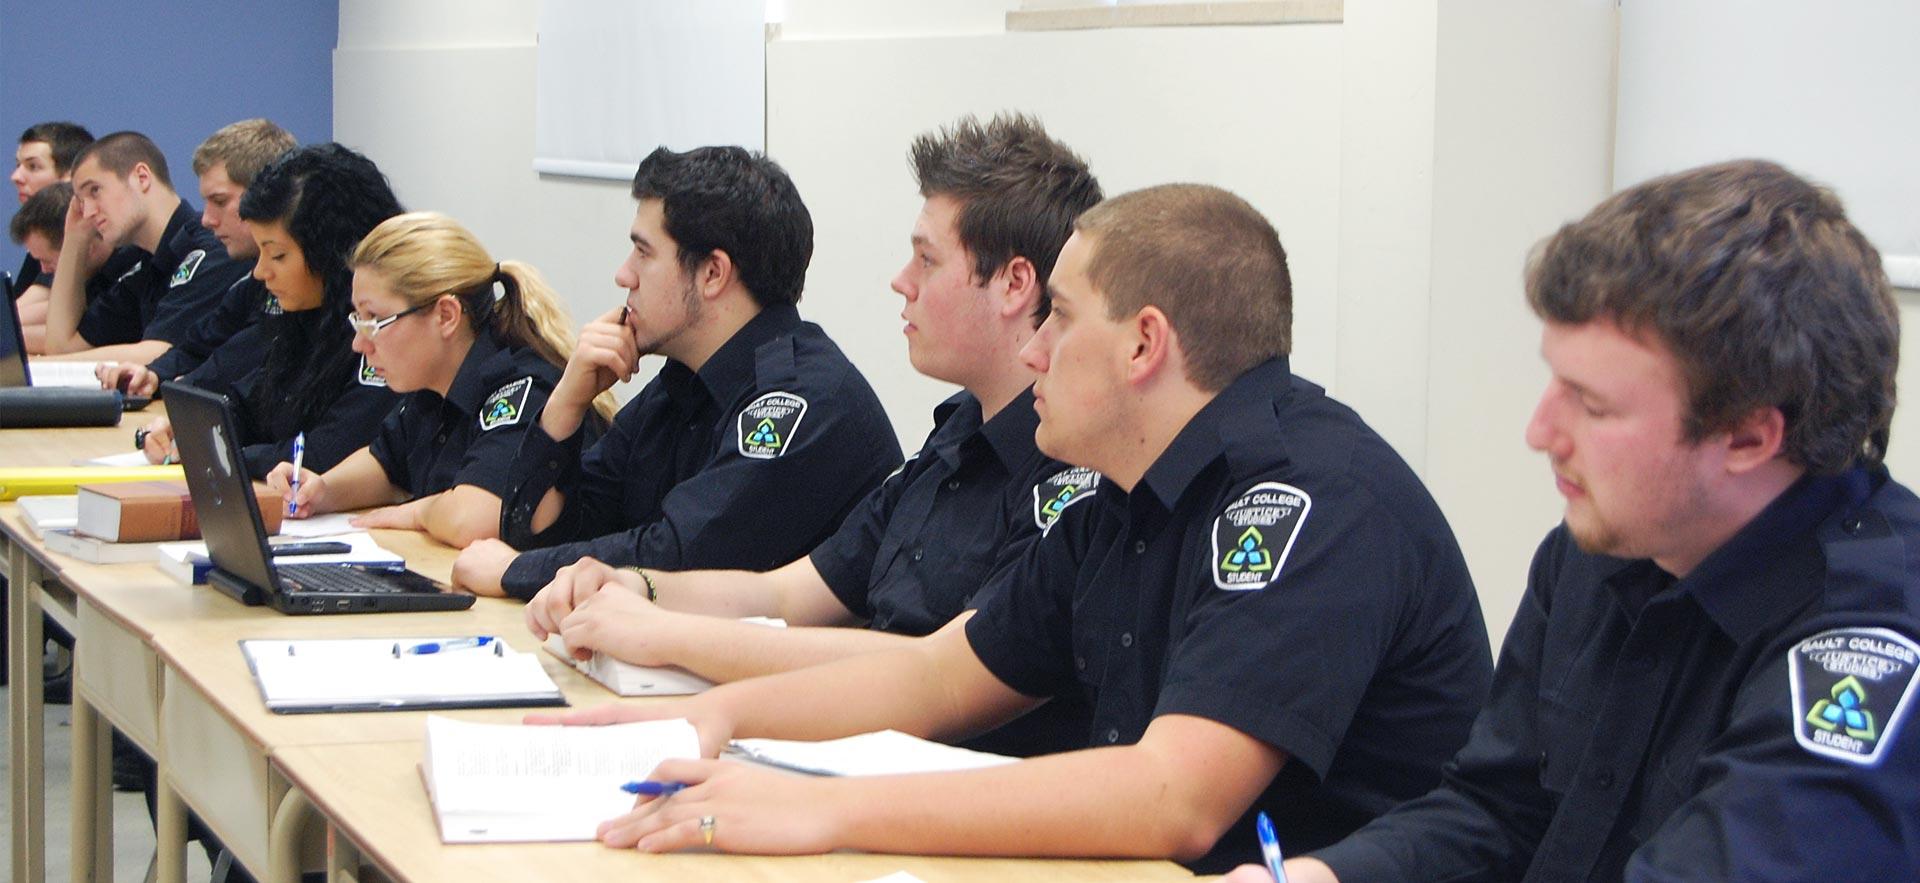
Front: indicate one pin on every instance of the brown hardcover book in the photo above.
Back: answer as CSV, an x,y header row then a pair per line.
x,y
154,511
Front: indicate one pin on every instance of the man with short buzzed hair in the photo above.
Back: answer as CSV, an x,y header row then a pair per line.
x,y
225,163
124,196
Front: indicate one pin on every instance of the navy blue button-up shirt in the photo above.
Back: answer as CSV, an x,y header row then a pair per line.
x,y
1280,570
748,463
1745,723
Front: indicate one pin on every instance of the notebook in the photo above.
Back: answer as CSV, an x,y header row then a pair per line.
x,y
389,674
205,431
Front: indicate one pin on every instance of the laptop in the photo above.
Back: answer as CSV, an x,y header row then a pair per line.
x,y
15,371
204,429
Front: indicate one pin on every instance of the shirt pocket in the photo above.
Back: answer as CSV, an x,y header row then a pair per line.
x,y
1565,730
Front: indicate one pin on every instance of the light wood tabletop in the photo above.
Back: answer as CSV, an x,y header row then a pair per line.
x,y
372,794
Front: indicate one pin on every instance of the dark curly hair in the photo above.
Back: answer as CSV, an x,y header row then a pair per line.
x,y
730,199
1763,290
328,197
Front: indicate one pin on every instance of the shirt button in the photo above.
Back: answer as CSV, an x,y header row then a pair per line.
x,y
1113,736
1851,525
553,464
953,484
1080,663
1603,779
919,554
1126,639
1139,547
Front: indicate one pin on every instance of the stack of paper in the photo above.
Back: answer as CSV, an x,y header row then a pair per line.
x,y
883,753
493,783
380,674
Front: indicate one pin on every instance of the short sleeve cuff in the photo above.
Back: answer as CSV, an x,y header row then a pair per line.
x,y
1002,659
836,569
1256,713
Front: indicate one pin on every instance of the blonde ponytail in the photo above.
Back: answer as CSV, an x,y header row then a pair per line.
x,y
530,315
423,255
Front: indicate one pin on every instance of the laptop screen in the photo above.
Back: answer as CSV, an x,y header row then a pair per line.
x,y
13,342
203,427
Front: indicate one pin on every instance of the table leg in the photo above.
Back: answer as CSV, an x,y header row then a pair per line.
x,y
170,829
92,835
26,745
284,839
343,858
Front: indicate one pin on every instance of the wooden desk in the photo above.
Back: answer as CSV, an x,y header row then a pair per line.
x,y
35,587
377,811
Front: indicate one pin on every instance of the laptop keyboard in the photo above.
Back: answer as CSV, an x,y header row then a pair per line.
x,y
336,580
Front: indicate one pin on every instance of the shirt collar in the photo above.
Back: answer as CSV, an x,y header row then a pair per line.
x,y
1010,432
1746,585
731,367
175,238
1220,424
467,387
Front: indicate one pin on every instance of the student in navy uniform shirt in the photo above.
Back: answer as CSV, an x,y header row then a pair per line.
x,y
1711,673
306,212
475,346
757,437
1262,605
225,164
43,158
1000,198
122,194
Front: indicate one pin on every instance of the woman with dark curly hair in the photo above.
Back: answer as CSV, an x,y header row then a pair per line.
x,y
307,211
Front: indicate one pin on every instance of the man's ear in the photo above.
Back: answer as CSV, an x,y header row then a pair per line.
x,y
1155,345
1020,296
1757,439
140,177
714,273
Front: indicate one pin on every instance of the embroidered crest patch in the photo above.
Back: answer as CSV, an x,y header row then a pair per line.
x,y
504,407
368,376
1063,489
767,424
188,266
1254,533
1850,689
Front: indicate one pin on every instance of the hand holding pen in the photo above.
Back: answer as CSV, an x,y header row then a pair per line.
x,y
299,457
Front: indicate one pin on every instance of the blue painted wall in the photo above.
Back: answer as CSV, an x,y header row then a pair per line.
x,y
174,69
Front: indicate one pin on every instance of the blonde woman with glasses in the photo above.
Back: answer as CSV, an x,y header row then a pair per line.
x,y
474,346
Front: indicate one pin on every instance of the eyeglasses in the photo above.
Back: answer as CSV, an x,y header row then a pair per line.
x,y
371,327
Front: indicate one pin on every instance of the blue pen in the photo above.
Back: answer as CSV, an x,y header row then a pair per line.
x,y
653,789
299,455
1270,847
426,647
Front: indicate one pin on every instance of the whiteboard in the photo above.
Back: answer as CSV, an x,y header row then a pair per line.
x,y
1829,90
617,78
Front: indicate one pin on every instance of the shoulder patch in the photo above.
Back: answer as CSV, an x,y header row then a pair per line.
x,y
188,266
368,376
1254,533
768,423
1065,488
1850,691
504,407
